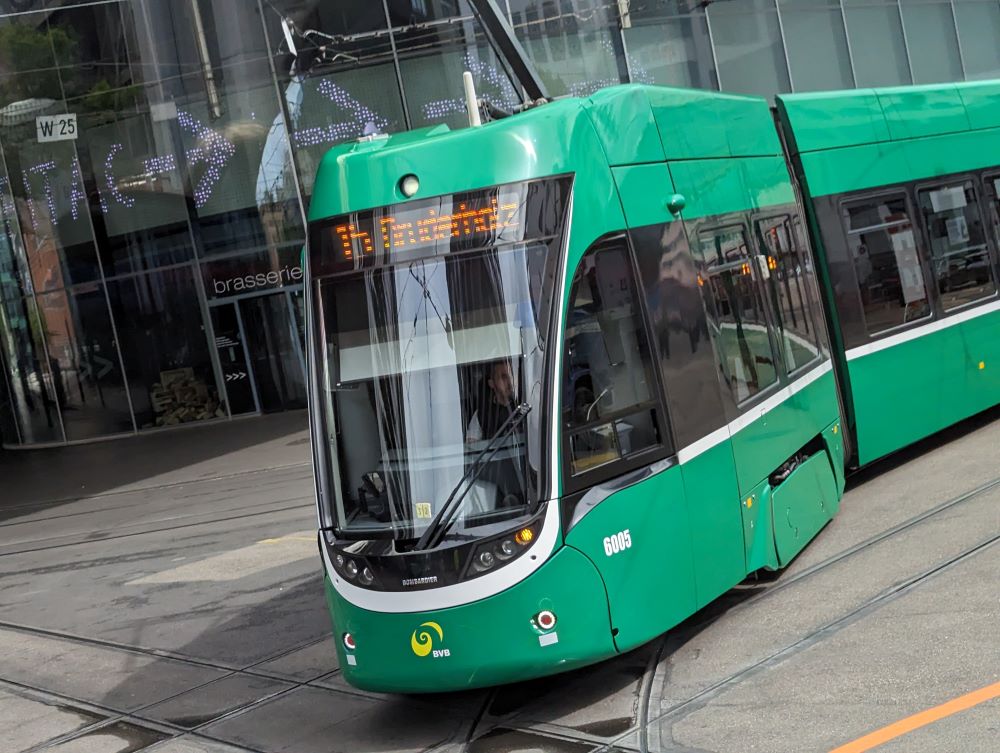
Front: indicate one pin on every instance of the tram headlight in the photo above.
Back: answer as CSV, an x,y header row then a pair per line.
x,y
507,549
351,569
491,554
366,578
409,185
485,560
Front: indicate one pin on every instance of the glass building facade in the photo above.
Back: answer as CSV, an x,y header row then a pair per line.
x,y
157,157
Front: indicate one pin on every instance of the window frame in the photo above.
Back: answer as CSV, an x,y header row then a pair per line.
x,y
990,203
803,252
781,380
860,197
573,483
978,184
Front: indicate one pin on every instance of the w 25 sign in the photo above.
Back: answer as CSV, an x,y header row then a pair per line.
x,y
56,127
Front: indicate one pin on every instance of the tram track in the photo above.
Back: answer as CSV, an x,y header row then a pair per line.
x,y
76,541
69,499
815,637
472,727
134,716
677,637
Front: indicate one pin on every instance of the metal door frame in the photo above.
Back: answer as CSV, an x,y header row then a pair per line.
x,y
234,302
299,349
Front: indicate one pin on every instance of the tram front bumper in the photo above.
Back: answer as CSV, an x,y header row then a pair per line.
x,y
487,642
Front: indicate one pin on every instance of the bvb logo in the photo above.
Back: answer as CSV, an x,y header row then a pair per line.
x,y
422,641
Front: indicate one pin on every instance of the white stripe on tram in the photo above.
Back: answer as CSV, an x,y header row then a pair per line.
x,y
923,330
718,436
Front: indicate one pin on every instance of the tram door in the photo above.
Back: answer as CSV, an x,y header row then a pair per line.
x,y
762,309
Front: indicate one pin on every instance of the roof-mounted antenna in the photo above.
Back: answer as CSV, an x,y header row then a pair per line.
x,y
502,35
471,102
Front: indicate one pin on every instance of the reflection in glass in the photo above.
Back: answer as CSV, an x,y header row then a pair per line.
x,y
978,32
9,432
932,41
426,365
669,41
436,44
576,47
791,287
883,245
33,391
816,42
878,46
608,396
83,360
749,47
163,344
275,354
960,256
341,84
738,320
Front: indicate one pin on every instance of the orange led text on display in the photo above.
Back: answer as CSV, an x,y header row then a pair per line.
x,y
415,231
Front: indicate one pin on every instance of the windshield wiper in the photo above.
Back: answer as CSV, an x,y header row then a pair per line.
x,y
446,515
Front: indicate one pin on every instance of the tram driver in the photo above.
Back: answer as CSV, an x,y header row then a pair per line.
x,y
495,405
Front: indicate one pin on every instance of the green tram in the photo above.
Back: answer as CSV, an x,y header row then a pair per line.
x,y
578,371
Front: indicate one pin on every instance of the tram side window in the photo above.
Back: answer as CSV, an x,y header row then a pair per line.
x,y
960,256
882,242
791,290
737,317
992,184
609,396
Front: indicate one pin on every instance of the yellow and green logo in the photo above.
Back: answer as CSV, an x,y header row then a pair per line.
x,y
422,640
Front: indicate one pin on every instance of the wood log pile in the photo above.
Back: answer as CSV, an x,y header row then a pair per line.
x,y
180,397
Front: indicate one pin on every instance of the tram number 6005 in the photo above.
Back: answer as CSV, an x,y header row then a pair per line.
x,y
617,542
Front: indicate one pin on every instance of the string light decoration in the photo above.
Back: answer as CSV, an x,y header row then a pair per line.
x,y
363,120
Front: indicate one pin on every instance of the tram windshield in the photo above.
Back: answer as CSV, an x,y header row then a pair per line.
x,y
431,379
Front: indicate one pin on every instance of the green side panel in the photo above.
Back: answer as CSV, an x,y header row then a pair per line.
x,y
731,185
689,124
833,437
855,168
763,445
915,111
802,505
886,136
716,523
758,529
650,582
749,126
703,125
858,115
890,417
625,126
982,362
949,375
645,191
982,103
499,626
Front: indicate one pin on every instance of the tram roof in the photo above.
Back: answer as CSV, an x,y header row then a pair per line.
x,y
620,125
867,116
